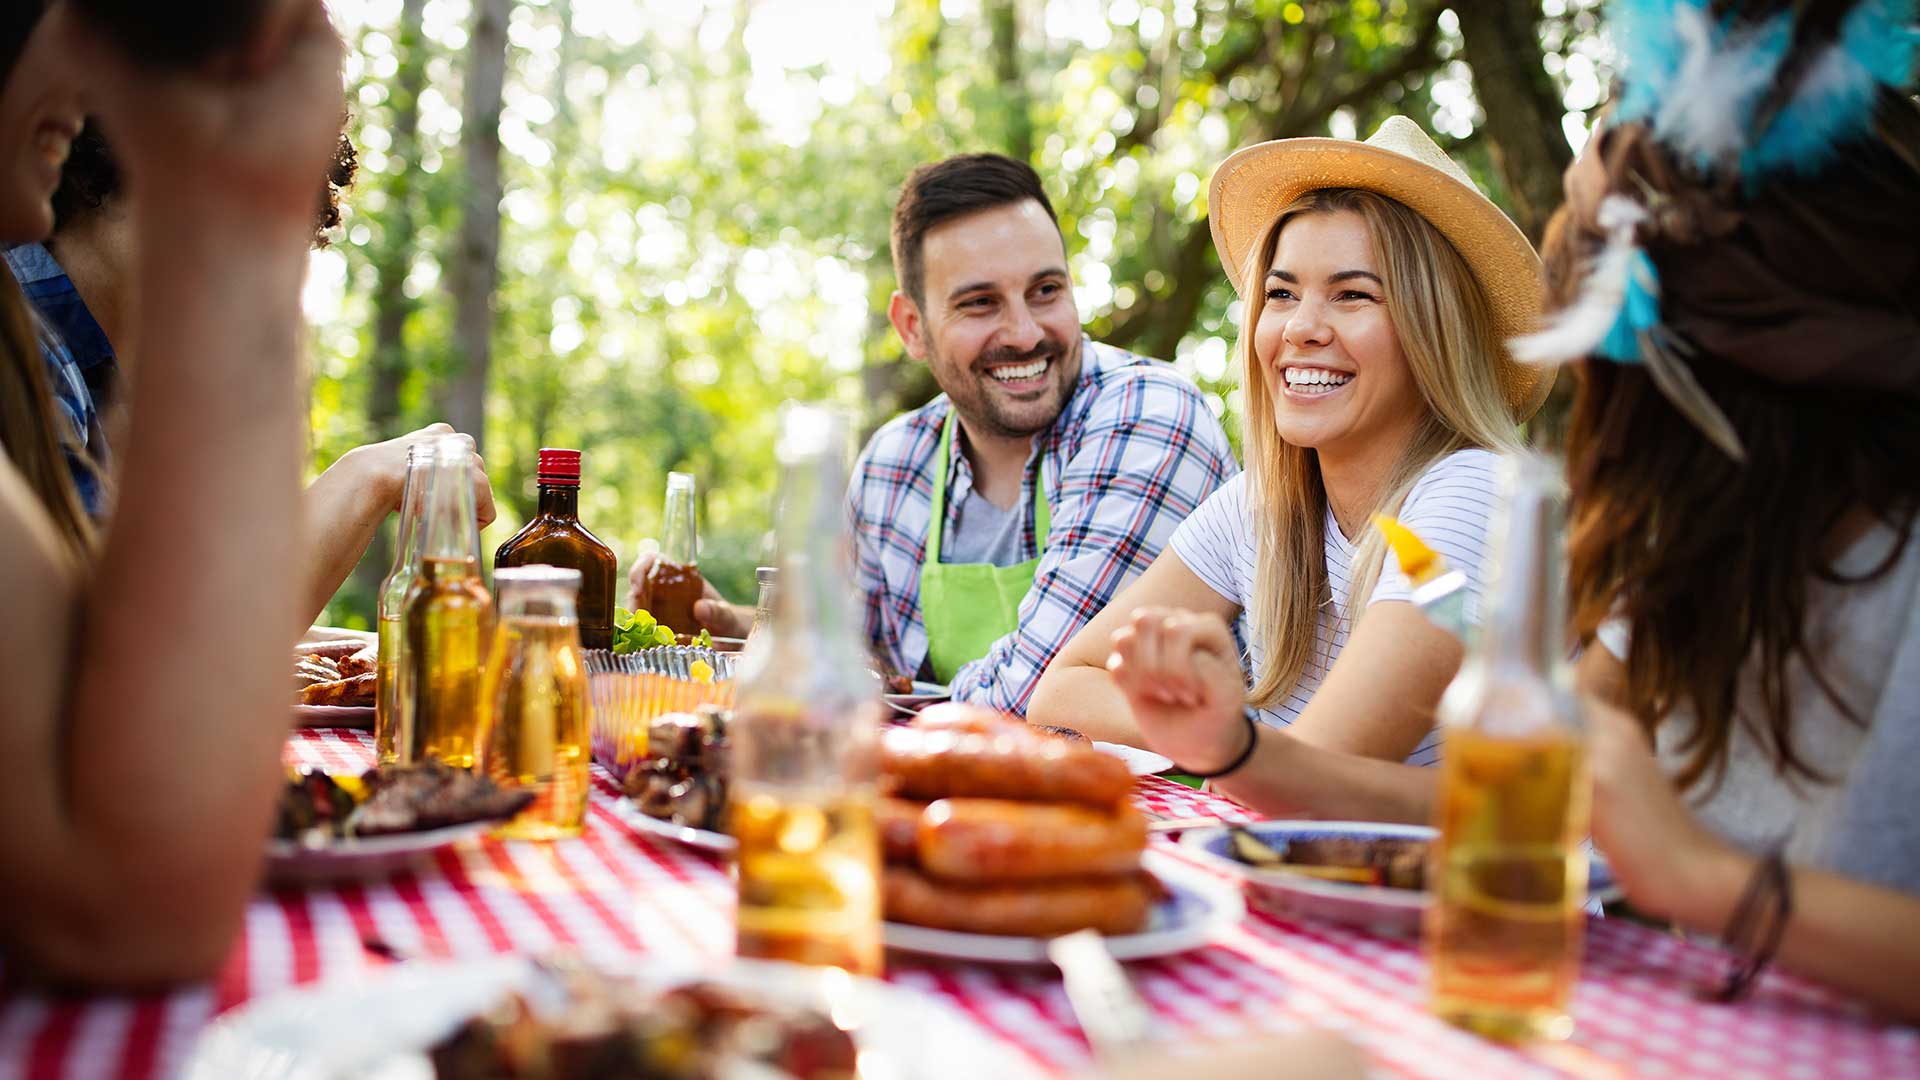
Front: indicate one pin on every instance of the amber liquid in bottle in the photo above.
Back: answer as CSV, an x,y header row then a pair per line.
x,y
556,537
672,589
534,699
449,619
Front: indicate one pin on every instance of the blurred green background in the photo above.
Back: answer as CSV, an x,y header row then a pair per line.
x,y
635,227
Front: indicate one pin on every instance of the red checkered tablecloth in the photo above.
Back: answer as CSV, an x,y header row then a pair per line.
x,y
615,892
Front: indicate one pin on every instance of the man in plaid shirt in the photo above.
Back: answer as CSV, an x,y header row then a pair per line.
x,y
1059,466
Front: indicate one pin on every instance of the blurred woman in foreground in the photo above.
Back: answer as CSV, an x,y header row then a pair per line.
x,y
142,778
1739,285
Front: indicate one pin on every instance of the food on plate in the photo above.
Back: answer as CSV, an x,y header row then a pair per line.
x,y
1067,733
595,1026
1005,840
332,649
1013,763
356,690
897,684
1111,905
1391,862
995,827
316,807
683,778
330,677
898,821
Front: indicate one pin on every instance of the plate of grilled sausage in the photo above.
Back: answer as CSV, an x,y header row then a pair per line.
x,y
998,836
334,682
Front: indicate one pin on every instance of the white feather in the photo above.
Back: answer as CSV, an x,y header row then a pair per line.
x,y
1576,330
1704,112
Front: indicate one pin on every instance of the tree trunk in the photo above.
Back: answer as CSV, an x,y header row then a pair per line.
x,y
391,306
1016,111
476,270
1523,109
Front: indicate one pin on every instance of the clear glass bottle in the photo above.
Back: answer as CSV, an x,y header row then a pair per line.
x,y
673,583
767,578
392,708
533,702
1509,871
805,731
449,615
555,537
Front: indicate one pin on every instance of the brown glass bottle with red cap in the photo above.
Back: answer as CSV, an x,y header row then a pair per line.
x,y
555,537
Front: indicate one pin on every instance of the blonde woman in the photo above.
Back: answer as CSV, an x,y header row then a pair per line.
x,y
1378,286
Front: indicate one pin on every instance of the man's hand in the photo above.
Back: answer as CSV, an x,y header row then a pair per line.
x,y
715,614
379,471
1181,679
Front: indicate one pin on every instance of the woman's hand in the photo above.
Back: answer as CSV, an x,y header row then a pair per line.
x,y
1661,854
1181,676
249,135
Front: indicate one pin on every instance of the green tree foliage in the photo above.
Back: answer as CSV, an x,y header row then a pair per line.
x,y
697,197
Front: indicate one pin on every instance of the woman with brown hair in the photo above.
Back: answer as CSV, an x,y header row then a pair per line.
x,y
1738,282
141,776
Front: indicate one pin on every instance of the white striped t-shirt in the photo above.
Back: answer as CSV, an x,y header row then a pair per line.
x,y
1449,507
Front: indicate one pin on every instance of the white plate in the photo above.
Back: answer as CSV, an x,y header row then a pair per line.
x,y
362,857
1140,762
1199,906
704,839
1381,910
924,694
379,1028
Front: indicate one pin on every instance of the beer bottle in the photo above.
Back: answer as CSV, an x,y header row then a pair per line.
x,y
1509,870
392,727
805,731
449,615
673,583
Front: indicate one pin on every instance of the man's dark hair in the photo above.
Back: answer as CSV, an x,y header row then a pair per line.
x,y
955,187
174,35
91,178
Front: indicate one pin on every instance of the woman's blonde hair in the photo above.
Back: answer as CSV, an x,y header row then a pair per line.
x,y
32,428
1445,328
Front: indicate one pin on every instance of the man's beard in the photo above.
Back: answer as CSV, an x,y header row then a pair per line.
x,y
971,390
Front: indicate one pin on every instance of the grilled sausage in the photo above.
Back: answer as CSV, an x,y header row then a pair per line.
x,y
360,663
999,840
1114,905
899,822
358,690
1014,765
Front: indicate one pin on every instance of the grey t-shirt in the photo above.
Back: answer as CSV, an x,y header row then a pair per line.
x,y
1863,819
985,534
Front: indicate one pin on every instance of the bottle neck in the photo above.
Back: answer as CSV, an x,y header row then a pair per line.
x,y
560,500
452,530
406,549
813,599
679,540
1525,627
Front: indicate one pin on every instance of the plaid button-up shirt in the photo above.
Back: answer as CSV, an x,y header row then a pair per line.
x,y
1133,452
80,363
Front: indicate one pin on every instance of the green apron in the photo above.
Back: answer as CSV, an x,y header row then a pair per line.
x,y
966,607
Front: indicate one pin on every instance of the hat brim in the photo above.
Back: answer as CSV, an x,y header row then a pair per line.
x,y
1251,187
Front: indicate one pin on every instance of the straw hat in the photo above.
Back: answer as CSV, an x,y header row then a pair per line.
x,y
1401,162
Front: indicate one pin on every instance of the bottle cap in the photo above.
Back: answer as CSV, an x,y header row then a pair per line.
x,y
560,467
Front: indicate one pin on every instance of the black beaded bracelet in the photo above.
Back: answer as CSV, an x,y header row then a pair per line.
x,y
1253,740
1758,923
